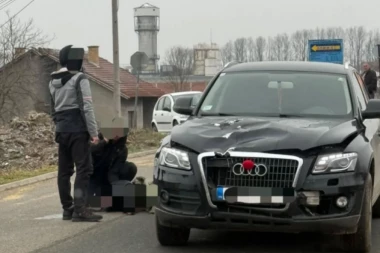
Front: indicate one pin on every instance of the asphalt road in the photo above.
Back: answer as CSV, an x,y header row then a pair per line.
x,y
30,221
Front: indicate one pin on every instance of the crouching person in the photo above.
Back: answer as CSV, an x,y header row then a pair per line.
x,y
110,168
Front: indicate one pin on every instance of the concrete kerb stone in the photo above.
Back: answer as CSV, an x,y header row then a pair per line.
x,y
50,175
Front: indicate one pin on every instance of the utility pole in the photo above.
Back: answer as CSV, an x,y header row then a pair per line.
x,y
136,98
139,61
116,64
378,55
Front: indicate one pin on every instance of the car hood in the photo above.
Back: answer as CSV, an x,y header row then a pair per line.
x,y
260,134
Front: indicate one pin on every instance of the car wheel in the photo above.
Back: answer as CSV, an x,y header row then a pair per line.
x,y
361,240
172,236
175,123
154,128
376,209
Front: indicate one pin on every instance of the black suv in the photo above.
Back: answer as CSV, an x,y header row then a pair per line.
x,y
273,146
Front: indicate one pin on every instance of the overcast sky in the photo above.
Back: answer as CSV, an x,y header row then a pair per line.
x,y
188,22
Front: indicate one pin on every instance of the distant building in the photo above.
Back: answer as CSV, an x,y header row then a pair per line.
x,y
40,63
147,26
207,60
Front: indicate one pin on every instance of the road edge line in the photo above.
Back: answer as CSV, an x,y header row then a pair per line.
x,y
50,175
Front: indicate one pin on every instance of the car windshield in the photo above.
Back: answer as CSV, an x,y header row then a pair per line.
x,y
280,93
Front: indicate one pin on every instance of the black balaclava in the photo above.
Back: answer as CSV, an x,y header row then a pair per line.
x,y
64,55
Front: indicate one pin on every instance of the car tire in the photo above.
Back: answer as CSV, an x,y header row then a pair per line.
x,y
361,240
172,236
175,123
154,128
376,209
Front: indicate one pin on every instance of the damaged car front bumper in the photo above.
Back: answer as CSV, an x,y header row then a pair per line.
x,y
197,197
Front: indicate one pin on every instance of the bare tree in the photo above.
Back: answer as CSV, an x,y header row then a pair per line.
x,y
350,45
17,78
260,47
369,47
227,52
359,45
281,47
250,49
356,37
182,61
320,33
300,42
240,49
286,47
271,50
334,33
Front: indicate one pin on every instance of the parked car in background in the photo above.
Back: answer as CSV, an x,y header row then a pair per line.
x,y
164,117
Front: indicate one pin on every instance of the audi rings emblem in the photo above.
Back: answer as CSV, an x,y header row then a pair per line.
x,y
257,170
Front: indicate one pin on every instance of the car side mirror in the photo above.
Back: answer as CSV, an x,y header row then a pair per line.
x,y
373,109
167,109
183,106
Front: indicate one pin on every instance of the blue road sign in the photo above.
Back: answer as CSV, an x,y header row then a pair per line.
x,y
326,51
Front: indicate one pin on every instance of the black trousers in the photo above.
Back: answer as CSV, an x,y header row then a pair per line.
x,y
74,149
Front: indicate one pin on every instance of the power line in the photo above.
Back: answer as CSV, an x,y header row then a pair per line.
x,y
3,1
17,13
6,4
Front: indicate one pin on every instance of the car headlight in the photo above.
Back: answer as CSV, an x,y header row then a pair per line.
x,y
335,163
174,158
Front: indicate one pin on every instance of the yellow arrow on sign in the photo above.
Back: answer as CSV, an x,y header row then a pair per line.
x,y
325,48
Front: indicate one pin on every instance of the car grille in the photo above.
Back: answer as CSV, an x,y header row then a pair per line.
x,y
281,172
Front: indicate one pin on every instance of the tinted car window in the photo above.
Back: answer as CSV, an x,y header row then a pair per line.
x,y
160,104
280,92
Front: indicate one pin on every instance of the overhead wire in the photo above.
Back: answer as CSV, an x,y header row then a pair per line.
x,y
17,13
3,1
6,4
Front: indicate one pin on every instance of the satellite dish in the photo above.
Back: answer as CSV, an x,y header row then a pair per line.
x,y
139,60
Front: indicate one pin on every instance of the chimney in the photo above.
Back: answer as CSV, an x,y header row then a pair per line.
x,y
19,51
93,55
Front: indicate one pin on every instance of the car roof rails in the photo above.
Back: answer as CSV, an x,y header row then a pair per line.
x,y
230,64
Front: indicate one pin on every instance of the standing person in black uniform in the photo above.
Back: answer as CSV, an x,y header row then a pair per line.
x,y
75,123
370,80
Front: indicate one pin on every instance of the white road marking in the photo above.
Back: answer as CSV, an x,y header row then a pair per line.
x,y
50,217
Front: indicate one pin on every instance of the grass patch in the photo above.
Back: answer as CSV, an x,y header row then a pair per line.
x,y
143,139
12,175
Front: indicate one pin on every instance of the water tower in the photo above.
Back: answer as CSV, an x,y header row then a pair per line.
x,y
147,25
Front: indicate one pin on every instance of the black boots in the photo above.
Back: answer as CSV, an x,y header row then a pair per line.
x,y
68,213
86,215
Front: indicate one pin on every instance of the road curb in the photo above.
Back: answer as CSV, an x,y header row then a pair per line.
x,y
141,154
50,175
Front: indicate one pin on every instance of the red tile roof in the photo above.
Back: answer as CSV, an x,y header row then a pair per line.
x,y
103,75
196,86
